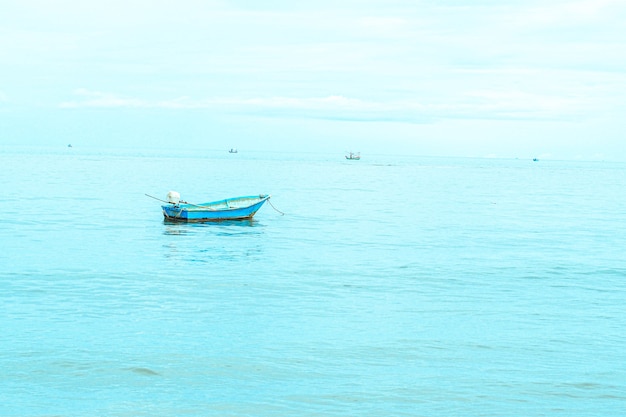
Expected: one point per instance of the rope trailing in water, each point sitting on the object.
(270, 203)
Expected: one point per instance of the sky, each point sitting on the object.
(500, 78)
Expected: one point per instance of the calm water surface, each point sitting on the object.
(391, 286)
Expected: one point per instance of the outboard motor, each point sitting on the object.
(173, 197)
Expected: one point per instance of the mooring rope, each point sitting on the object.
(270, 203)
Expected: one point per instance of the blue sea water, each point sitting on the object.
(391, 286)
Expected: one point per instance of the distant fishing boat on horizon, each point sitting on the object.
(354, 156)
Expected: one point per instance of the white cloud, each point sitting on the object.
(475, 104)
(520, 104)
(101, 99)
(571, 12)
(89, 98)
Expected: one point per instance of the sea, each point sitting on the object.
(396, 285)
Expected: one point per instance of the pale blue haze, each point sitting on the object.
(481, 78)
(395, 285)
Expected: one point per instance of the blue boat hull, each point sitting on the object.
(237, 208)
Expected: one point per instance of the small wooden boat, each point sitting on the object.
(236, 208)
(355, 156)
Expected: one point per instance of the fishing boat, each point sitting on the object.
(354, 155)
(236, 208)
(232, 150)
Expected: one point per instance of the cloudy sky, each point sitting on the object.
(509, 78)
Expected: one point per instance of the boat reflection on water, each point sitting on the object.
(175, 227)
(224, 241)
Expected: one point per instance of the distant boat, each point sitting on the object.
(69, 145)
(354, 155)
(535, 159)
(232, 150)
(236, 208)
